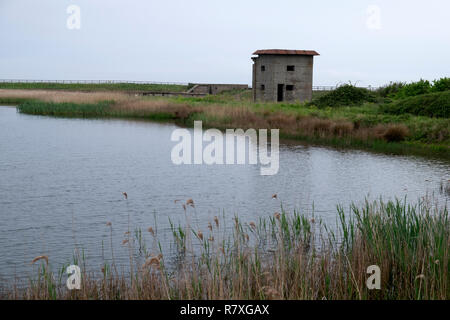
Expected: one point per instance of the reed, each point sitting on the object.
(283, 256)
(363, 127)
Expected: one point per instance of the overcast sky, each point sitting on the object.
(366, 42)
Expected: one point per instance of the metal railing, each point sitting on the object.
(330, 88)
(90, 82)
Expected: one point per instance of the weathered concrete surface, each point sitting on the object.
(197, 90)
(272, 80)
(208, 88)
(166, 94)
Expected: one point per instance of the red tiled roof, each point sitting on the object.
(287, 52)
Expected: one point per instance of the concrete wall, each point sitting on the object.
(165, 94)
(216, 88)
(276, 73)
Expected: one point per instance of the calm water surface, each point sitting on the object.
(61, 181)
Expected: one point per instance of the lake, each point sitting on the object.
(61, 182)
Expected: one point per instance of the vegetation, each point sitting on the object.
(284, 256)
(309, 124)
(390, 90)
(396, 133)
(66, 109)
(401, 90)
(345, 95)
(440, 85)
(94, 86)
(109, 109)
(414, 89)
(414, 125)
(431, 105)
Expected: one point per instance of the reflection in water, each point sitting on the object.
(61, 181)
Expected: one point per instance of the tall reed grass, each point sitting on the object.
(283, 256)
(360, 127)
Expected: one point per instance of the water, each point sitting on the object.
(61, 181)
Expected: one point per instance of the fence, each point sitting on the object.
(90, 81)
(330, 88)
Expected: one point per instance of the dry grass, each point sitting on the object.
(140, 108)
(292, 124)
(396, 133)
(64, 96)
(287, 256)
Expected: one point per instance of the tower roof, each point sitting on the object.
(287, 52)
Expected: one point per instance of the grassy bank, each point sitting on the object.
(370, 125)
(92, 87)
(284, 256)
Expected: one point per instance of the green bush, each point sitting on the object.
(401, 90)
(431, 105)
(345, 95)
(442, 84)
(390, 90)
(414, 89)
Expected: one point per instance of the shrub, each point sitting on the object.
(396, 133)
(345, 95)
(431, 105)
(343, 128)
(414, 89)
(321, 125)
(390, 90)
(442, 84)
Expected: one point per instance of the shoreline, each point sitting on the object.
(343, 128)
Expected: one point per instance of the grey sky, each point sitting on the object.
(212, 41)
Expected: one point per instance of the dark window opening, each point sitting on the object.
(280, 93)
(263, 87)
(290, 68)
(289, 87)
(263, 68)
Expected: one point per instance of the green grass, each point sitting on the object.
(13, 101)
(431, 105)
(427, 136)
(102, 109)
(95, 86)
(286, 255)
(401, 90)
(67, 109)
(422, 134)
(425, 133)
